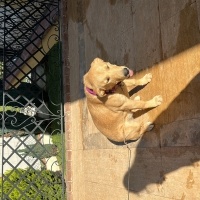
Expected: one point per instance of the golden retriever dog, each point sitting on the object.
(107, 89)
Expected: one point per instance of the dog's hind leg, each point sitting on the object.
(134, 130)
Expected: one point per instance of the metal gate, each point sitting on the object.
(31, 137)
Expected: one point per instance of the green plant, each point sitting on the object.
(31, 184)
(39, 151)
(58, 140)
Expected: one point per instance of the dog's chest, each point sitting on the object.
(122, 89)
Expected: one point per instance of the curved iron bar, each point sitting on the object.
(24, 25)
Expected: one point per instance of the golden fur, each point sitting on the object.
(107, 89)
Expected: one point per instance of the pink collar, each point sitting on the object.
(91, 91)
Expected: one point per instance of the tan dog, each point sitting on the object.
(106, 89)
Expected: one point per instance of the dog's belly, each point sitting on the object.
(108, 122)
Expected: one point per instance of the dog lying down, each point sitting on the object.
(107, 89)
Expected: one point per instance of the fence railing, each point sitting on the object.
(31, 112)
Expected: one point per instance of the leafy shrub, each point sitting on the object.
(31, 184)
(58, 140)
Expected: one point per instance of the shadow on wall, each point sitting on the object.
(78, 10)
(179, 139)
(179, 143)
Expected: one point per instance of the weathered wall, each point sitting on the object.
(157, 36)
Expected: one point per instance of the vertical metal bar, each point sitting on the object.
(61, 104)
(3, 125)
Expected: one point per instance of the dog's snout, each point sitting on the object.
(126, 72)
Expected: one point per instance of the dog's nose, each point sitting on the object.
(126, 72)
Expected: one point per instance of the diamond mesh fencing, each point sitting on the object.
(31, 108)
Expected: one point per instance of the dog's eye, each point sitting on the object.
(107, 80)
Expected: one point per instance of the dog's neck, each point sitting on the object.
(111, 91)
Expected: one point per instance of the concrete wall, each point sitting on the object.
(157, 36)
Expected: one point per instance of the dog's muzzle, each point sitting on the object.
(127, 72)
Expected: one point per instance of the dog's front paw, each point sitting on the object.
(147, 78)
(158, 100)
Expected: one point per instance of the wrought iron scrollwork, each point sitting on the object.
(31, 95)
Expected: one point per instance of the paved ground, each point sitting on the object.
(157, 36)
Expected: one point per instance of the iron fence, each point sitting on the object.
(31, 112)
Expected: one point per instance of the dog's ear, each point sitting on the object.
(86, 81)
(96, 60)
(101, 92)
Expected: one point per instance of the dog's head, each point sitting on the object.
(103, 76)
